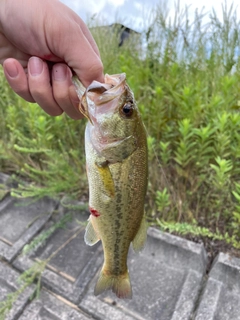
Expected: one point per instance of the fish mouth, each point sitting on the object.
(87, 103)
(98, 94)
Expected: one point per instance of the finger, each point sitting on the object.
(77, 50)
(40, 86)
(90, 67)
(61, 81)
(88, 35)
(17, 78)
(83, 60)
(87, 65)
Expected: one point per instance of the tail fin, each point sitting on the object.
(120, 285)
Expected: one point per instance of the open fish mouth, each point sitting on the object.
(98, 93)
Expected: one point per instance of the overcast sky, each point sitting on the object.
(135, 13)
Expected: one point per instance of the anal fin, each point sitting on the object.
(91, 237)
(141, 236)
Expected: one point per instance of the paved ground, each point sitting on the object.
(169, 277)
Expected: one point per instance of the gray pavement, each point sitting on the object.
(169, 277)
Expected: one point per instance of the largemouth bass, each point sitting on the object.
(116, 161)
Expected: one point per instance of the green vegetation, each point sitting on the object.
(186, 80)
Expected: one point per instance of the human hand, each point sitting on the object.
(40, 43)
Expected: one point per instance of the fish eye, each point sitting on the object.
(127, 109)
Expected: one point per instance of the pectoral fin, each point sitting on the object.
(141, 236)
(91, 237)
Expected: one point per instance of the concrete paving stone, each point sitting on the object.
(20, 221)
(106, 309)
(73, 263)
(221, 296)
(51, 307)
(9, 284)
(4, 188)
(4, 178)
(7, 181)
(166, 280)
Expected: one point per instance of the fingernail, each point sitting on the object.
(11, 70)
(35, 66)
(60, 72)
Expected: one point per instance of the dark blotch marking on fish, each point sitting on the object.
(94, 212)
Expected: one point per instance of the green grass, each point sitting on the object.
(186, 81)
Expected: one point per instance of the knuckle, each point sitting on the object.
(61, 95)
(96, 68)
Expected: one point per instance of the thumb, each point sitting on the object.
(83, 58)
(71, 40)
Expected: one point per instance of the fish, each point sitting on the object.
(117, 171)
